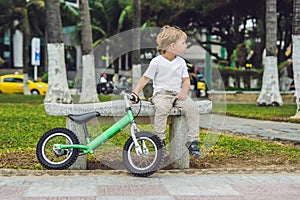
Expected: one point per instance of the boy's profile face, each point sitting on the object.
(179, 47)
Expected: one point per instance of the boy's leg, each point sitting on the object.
(190, 110)
(163, 104)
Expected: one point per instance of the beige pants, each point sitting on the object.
(163, 102)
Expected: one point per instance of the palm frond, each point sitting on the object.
(99, 29)
(125, 12)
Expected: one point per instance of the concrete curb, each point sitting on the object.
(261, 170)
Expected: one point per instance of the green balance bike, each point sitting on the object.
(143, 152)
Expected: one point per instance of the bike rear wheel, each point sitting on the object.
(153, 154)
(57, 159)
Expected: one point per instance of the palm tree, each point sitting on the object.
(269, 94)
(88, 92)
(296, 53)
(58, 91)
(137, 34)
(136, 45)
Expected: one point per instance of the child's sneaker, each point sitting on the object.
(193, 148)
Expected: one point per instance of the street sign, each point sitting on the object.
(35, 51)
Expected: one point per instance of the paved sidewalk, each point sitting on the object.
(159, 186)
(251, 127)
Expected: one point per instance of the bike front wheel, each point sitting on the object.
(151, 158)
(57, 159)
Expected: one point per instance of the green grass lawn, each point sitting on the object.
(282, 113)
(20, 98)
(23, 121)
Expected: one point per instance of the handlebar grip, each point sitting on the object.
(132, 98)
(135, 98)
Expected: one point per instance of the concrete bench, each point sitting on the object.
(111, 111)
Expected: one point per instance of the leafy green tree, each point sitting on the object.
(109, 17)
(225, 20)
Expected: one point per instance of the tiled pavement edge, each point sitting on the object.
(160, 186)
(183, 172)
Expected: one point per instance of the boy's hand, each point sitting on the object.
(181, 96)
(134, 98)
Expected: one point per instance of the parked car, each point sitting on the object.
(13, 83)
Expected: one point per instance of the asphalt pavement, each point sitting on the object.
(248, 183)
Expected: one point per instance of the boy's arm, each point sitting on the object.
(185, 89)
(141, 84)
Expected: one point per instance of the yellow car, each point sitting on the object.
(13, 83)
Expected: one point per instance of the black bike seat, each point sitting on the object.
(83, 118)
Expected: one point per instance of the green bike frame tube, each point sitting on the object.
(111, 131)
(70, 146)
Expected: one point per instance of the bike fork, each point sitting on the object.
(133, 130)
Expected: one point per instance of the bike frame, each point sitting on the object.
(107, 134)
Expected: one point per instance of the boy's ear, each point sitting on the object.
(172, 45)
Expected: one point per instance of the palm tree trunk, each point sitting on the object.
(25, 60)
(136, 45)
(58, 91)
(270, 94)
(296, 53)
(88, 92)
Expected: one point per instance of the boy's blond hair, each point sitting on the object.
(168, 35)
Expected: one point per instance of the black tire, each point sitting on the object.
(35, 92)
(146, 164)
(61, 159)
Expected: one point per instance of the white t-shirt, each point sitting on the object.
(167, 75)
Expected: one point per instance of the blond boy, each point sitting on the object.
(171, 84)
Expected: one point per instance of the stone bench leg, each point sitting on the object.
(81, 162)
(178, 152)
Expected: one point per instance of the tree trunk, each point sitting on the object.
(296, 53)
(25, 61)
(136, 45)
(269, 94)
(58, 91)
(89, 91)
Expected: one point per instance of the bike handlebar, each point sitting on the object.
(129, 97)
(126, 97)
